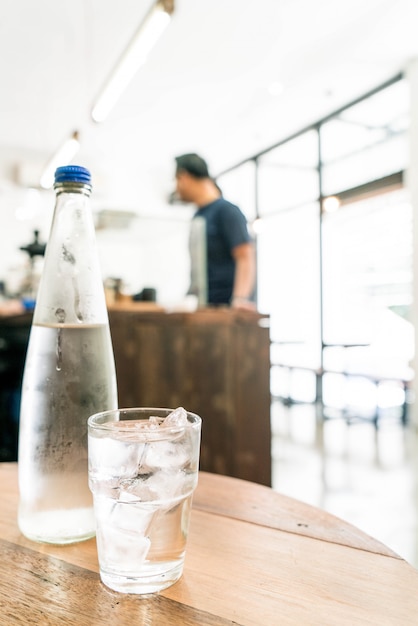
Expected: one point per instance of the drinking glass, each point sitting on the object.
(143, 470)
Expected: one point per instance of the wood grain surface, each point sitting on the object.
(254, 557)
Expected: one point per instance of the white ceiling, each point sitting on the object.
(205, 87)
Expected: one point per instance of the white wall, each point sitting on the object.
(152, 251)
(21, 212)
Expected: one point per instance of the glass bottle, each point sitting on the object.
(69, 373)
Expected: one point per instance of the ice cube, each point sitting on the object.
(134, 430)
(133, 517)
(137, 490)
(107, 487)
(168, 485)
(177, 418)
(122, 550)
(153, 488)
(154, 421)
(166, 455)
(103, 507)
(113, 457)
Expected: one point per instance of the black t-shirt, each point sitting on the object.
(226, 228)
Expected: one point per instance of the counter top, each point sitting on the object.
(201, 315)
(14, 311)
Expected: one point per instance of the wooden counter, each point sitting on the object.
(14, 335)
(214, 362)
(254, 558)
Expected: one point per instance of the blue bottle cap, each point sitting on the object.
(72, 173)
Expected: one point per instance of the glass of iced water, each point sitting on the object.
(143, 469)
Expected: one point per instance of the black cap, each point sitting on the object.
(193, 164)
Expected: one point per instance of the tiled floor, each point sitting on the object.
(365, 478)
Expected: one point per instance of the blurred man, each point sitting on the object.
(230, 256)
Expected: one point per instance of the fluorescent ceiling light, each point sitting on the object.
(133, 58)
(63, 156)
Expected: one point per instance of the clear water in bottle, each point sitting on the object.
(68, 377)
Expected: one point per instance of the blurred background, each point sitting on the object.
(224, 79)
(307, 113)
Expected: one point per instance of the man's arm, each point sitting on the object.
(244, 279)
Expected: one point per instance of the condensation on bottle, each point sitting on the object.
(69, 373)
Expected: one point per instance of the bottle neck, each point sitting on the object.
(72, 187)
(71, 279)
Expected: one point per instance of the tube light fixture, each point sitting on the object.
(63, 156)
(134, 56)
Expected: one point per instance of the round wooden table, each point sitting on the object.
(254, 557)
